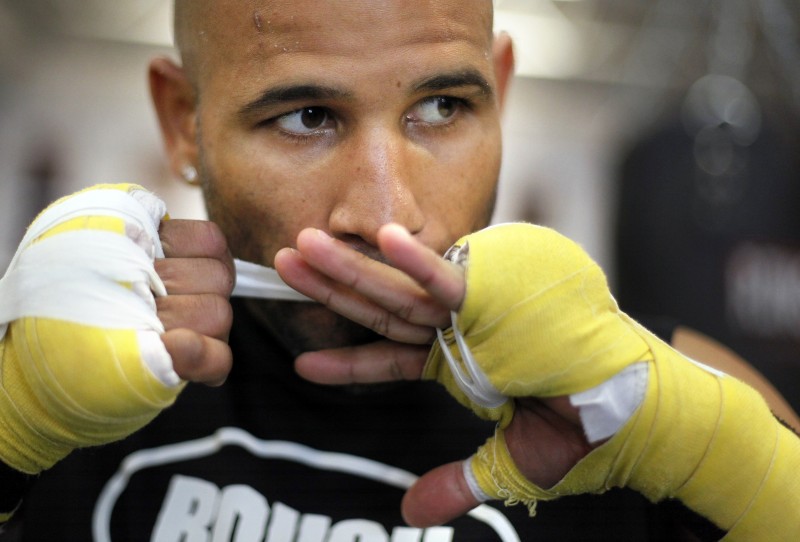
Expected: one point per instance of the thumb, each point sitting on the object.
(438, 497)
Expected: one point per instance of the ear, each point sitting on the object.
(176, 106)
(503, 56)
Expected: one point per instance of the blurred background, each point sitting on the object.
(662, 135)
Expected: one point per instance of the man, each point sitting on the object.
(358, 133)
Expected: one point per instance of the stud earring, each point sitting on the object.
(189, 174)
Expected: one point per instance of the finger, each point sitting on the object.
(440, 278)
(386, 286)
(296, 272)
(198, 358)
(439, 496)
(381, 361)
(183, 276)
(195, 239)
(207, 314)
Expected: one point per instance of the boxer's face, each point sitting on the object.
(343, 115)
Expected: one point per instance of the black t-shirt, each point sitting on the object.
(270, 457)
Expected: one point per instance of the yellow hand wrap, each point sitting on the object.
(539, 321)
(81, 360)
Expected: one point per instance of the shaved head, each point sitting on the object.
(188, 30)
(195, 22)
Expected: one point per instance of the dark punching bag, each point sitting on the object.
(708, 228)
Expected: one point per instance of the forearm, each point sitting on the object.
(704, 349)
(711, 441)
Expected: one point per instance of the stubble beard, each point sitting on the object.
(300, 327)
(297, 327)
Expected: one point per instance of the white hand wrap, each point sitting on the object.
(81, 359)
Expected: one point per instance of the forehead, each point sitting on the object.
(275, 38)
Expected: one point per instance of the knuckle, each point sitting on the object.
(381, 323)
(220, 313)
(407, 310)
(226, 278)
(214, 240)
(165, 237)
(217, 278)
(196, 237)
(208, 314)
(164, 270)
(198, 276)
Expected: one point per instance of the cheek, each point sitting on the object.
(486, 167)
(460, 191)
(260, 201)
(237, 198)
(471, 193)
(237, 212)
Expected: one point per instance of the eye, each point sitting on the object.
(305, 121)
(435, 110)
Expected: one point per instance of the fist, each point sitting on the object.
(92, 349)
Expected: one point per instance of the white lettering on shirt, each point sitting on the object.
(196, 510)
(193, 509)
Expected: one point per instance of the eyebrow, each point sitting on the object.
(305, 92)
(292, 93)
(463, 78)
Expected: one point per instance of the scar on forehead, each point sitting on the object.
(257, 21)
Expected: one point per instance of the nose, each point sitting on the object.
(380, 183)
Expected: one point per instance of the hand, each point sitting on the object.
(406, 303)
(540, 321)
(93, 251)
(199, 275)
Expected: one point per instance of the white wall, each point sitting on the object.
(85, 105)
